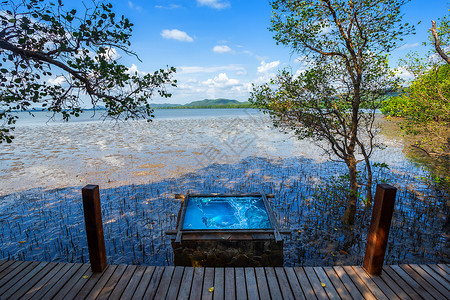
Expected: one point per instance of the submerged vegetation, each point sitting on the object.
(46, 222)
(48, 225)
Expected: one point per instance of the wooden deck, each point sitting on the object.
(42, 280)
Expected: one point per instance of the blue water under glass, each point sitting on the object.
(226, 213)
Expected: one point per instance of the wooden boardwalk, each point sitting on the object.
(42, 280)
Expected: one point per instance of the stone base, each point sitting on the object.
(228, 253)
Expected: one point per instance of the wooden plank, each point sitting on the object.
(241, 289)
(7, 264)
(444, 291)
(385, 279)
(109, 277)
(348, 283)
(143, 283)
(261, 282)
(284, 283)
(150, 292)
(329, 288)
(445, 268)
(304, 283)
(272, 283)
(4, 264)
(43, 281)
(123, 282)
(394, 277)
(30, 282)
(11, 271)
(197, 284)
(72, 282)
(337, 283)
(133, 283)
(110, 285)
(52, 281)
(219, 284)
(411, 282)
(390, 289)
(230, 287)
(186, 283)
(436, 276)
(315, 283)
(423, 281)
(370, 284)
(95, 283)
(164, 284)
(441, 272)
(208, 282)
(294, 284)
(252, 287)
(17, 280)
(88, 277)
(57, 282)
(367, 294)
(175, 283)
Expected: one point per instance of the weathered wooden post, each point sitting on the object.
(380, 224)
(94, 227)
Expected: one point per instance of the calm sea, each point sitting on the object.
(45, 117)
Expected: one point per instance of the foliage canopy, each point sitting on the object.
(424, 106)
(52, 57)
(343, 43)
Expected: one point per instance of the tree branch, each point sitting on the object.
(437, 43)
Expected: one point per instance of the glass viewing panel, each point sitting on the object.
(226, 213)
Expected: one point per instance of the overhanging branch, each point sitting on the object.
(437, 43)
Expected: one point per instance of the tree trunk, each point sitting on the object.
(369, 196)
(350, 210)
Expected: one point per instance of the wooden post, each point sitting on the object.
(94, 227)
(380, 224)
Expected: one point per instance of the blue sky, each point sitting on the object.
(221, 47)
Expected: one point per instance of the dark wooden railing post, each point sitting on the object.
(380, 224)
(94, 227)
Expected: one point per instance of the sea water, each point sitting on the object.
(226, 213)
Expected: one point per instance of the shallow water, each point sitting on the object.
(140, 166)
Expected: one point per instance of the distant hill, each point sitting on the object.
(207, 103)
(156, 105)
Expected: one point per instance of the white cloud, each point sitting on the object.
(133, 6)
(171, 6)
(408, 46)
(221, 81)
(222, 49)
(134, 70)
(176, 34)
(403, 73)
(217, 4)
(266, 67)
(111, 54)
(214, 69)
(57, 81)
(304, 63)
(301, 59)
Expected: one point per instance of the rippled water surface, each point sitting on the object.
(140, 166)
